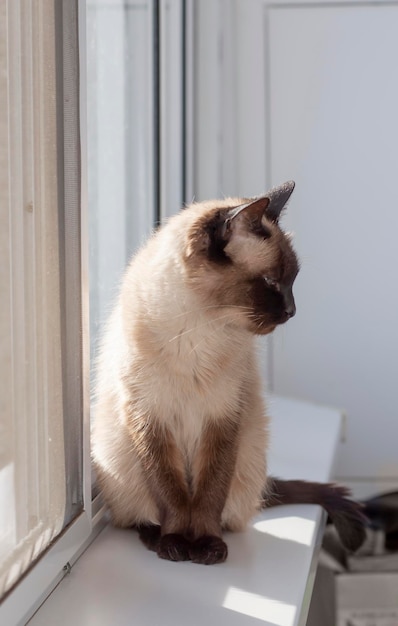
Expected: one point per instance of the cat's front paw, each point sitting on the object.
(208, 550)
(149, 535)
(173, 547)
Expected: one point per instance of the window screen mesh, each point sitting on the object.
(37, 490)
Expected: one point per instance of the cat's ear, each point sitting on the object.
(270, 205)
(278, 197)
(251, 212)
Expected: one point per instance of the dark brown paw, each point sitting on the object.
(173, 547)
(208, 550)
(150, 536)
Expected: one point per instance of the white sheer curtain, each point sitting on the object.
(32, 466)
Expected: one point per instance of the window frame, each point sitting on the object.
(28, 594)
(175, 141)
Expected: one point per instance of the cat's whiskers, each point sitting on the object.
(213, 306)
(190, 330)
(215, 332)
(206, 337)
(202, 340)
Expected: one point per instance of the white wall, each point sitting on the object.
(310, 92)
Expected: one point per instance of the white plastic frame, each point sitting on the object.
(21, 603)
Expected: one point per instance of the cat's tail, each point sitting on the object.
(345, 514)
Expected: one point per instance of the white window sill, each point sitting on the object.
(267, 578)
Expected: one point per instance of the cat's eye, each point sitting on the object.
(272, 283)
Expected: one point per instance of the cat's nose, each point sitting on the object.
(288, 299)
(291, 310)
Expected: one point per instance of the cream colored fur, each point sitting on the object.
(185, 361)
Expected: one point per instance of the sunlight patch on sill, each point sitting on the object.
(259, 607)
(292, 528)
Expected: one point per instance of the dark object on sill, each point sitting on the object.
(339, 574)
(379, 551)
(382, 512)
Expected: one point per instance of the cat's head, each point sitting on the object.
(237, 256)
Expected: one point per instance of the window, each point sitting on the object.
(136, 133)
(136, 174)
(42, 450)
(32, 442)
(122, 141)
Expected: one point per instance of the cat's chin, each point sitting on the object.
(267, 330)
(261, 326)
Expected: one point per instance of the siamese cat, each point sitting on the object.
(180, 430)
